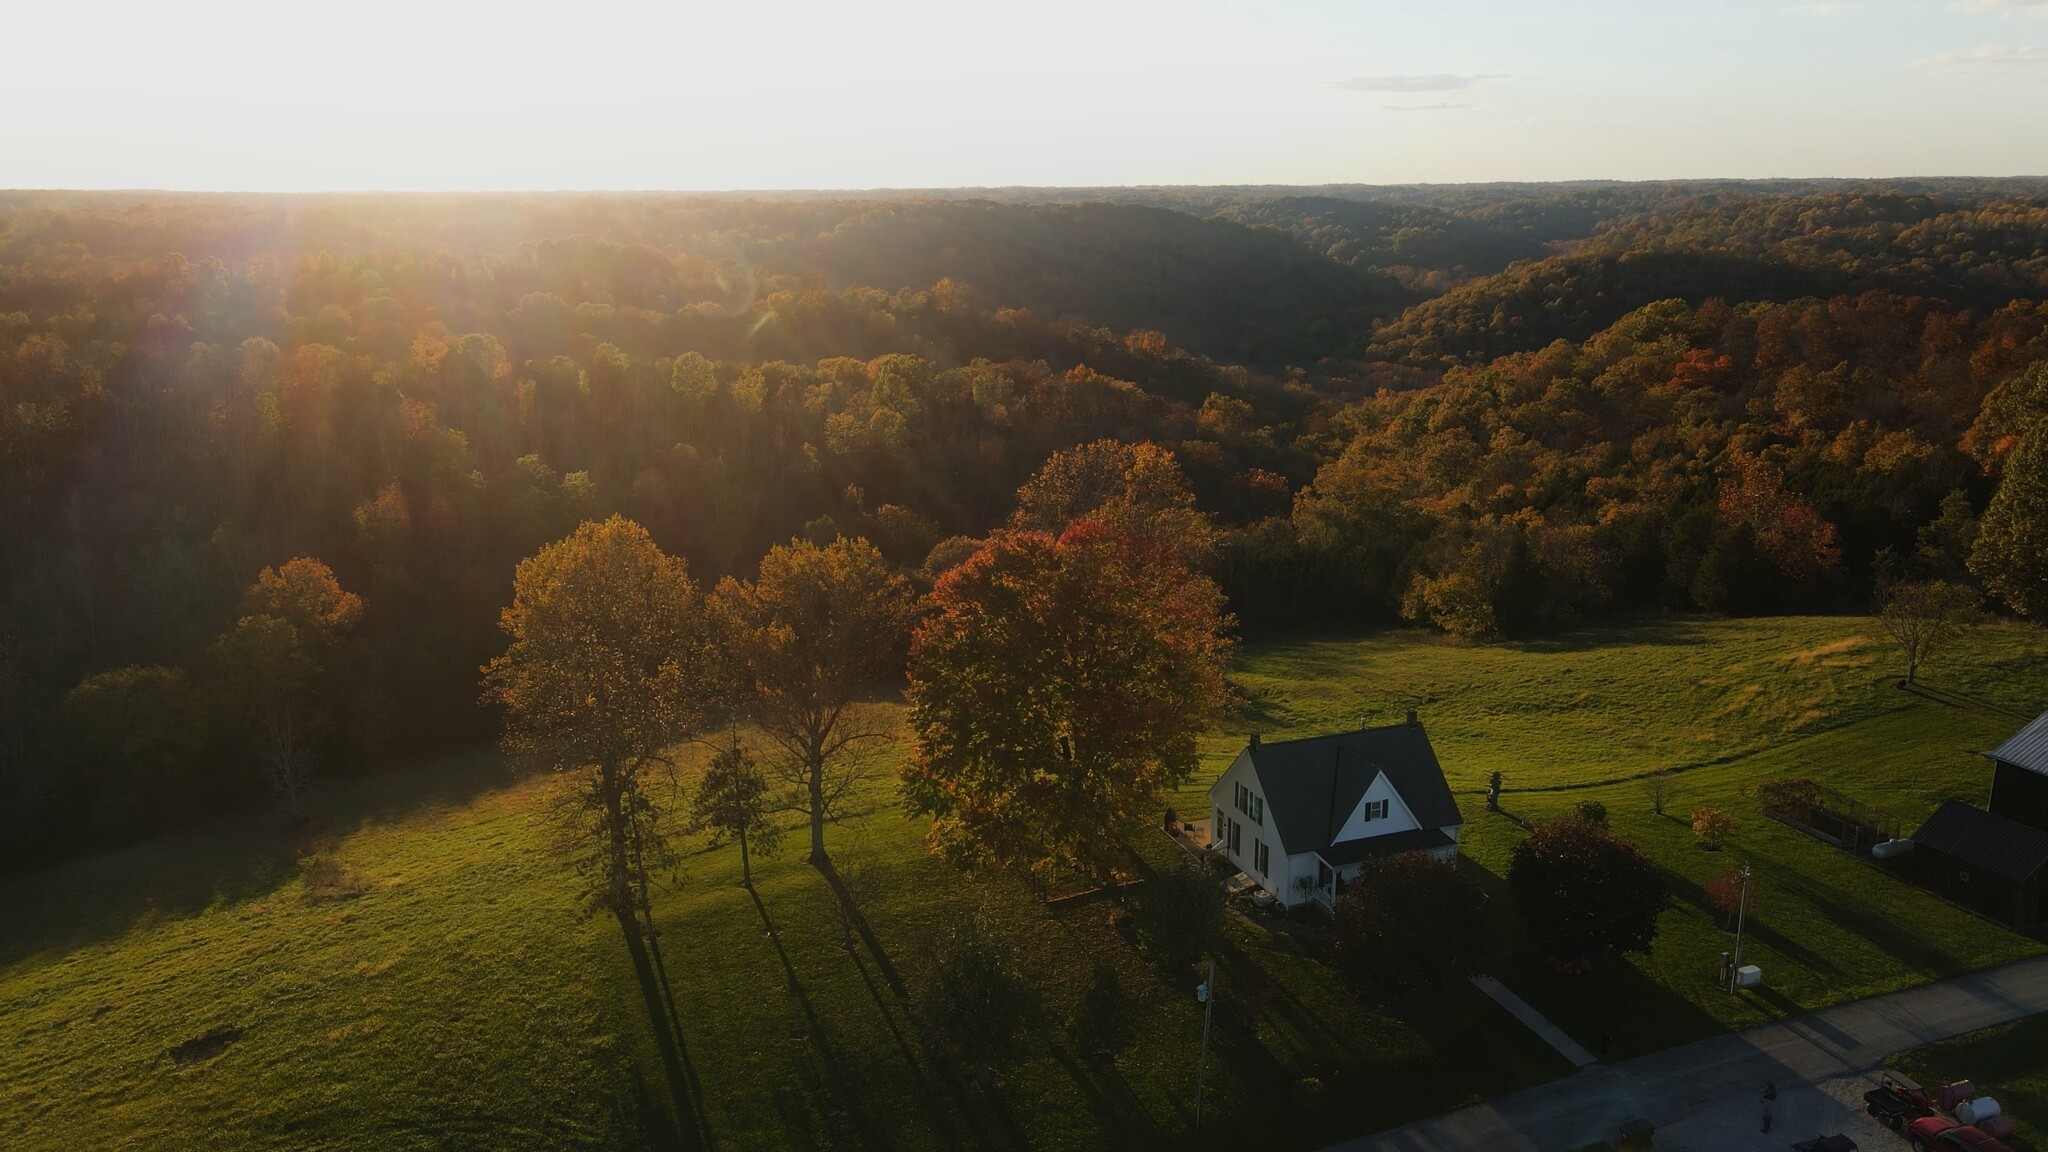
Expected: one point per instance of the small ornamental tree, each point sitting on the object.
(1659, 787)
(1584, 892)
(1922, 617)
(733, 803)
(1059, 687)
(1724, 894)
(1409, 923)
(1712, 826)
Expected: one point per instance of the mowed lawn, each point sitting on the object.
(461, 1001)
(1724, 705)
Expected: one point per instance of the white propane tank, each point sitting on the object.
(1891, 848)
(1977, 1111)
(1749, 976)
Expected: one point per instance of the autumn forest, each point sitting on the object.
(257, 447)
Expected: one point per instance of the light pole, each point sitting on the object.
(1741, 916)
(1206, 993)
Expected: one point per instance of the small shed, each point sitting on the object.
(1986, 862)
(2019, 776)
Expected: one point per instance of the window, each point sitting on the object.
(1376, 810)
(1235, 829)
(1242, 791)
(1258, 810)
(1260, 858)
(1216, 830)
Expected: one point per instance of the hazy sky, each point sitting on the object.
(603, 94)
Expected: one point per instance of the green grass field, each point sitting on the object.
(459, 1001)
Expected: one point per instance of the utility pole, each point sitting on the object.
(1741, 915)
(1207, 995)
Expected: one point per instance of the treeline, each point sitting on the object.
(411, 395)
(1980, 253)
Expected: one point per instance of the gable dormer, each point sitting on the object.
(1379, 812)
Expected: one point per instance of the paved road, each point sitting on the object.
(1704, 1096)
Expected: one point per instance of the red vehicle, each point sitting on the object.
(1941, 1134)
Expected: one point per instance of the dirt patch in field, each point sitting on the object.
(200, 1049)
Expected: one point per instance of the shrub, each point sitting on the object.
(1592, 812)
(329, 879)
(1409, 923)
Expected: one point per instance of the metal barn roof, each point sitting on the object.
(2028, 748)
(1985, 840)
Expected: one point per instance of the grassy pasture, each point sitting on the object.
(458, 999)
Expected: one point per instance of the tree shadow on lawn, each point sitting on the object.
(841, 1094)
(1616, 1001)
(235, 858)
(1125, 1123)
(1905, 942)
(967, 1108)
(1755, 927)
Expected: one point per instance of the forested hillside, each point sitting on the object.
(1492, 410)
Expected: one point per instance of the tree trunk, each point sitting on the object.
(817, 784)
(746, 869)
(615, 831)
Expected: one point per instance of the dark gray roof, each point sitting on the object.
(1413, 840)
(2028, 747)
(1312, 785)
(1984, 840)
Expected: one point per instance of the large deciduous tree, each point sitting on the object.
(802, 642)
(598, 683)
(282, 668)
(1583, 892)
(1135, 488)
(134, 737)
(1057, 690)
(2011, 553)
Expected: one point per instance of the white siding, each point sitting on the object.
(1397, 819)
(1223, 798)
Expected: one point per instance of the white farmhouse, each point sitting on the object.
(1298, 816)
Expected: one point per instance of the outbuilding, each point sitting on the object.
(1986, 862)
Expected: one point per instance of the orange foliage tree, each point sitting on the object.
(1057, 690)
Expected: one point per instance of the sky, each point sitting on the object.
(239, 95)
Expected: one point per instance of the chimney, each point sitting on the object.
(1412, 721)
(1255, 739)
